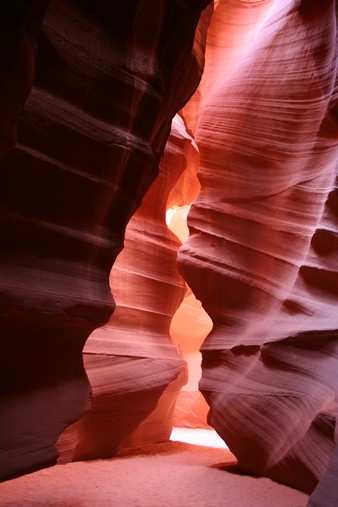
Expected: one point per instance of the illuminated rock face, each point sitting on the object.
(134, 368)
(262, 255)
(109, 78)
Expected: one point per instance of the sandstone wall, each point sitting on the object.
(109, 78)
(262, 252)
(134, 369)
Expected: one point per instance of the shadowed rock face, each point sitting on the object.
(134, 368)
(19, 26)
(109, 78)
(262, 255)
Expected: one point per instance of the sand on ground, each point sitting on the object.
(170, 474)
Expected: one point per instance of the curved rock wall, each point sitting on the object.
(134, 368)
(262, 254)
(190, 323)
(109, 78)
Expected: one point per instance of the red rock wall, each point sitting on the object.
(89, 141)
(262, 254)
(19, 26)
(189, 328)
(131, 361)
(263, 246)
(190, 323)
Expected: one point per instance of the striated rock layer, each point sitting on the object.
(262, 254)
(189, 328)
(134, 368)
(19, 27)
(109, 78)
(190, 324)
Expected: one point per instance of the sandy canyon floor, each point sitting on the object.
(170, 474)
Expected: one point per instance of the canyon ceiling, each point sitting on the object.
(111, 114)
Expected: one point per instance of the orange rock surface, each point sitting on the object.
(134, 368)
(262, 252)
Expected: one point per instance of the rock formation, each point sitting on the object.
(134, 369)
(262, 254)
(109, 79)
(189, 328)
(20, 23)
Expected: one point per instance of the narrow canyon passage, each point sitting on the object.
(156, 330)
(189, 327)
(157, 158)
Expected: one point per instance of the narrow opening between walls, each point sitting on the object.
(189, 328)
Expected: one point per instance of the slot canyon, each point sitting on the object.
(169, 252)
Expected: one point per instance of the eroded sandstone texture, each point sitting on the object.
(262, 256)
(19, 23)
(134, 369)
(109, 78)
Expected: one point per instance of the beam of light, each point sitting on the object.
(197, 436)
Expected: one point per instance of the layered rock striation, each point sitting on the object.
(20, 23)
(109, 78)
(262, 252)
(134, 368)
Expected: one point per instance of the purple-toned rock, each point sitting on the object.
(109, 78)
(262, 254)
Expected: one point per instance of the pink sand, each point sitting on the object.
(172, 474)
